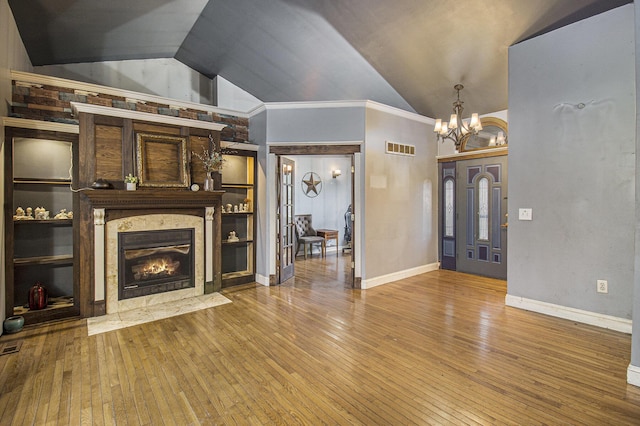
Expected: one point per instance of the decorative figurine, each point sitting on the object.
(41, 213)
(232, 237)
(29, 213)
(19, 214)
(229, 208)
(235, 208)
(63, 215)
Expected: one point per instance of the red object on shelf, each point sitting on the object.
(38, 297)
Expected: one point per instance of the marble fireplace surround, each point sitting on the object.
(115, 211)
(152, 222)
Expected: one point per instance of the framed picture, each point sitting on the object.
(162, 160)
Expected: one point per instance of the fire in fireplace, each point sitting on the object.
(151, 262)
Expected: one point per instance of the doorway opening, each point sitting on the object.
(315, 193)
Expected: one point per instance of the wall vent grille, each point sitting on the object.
(400, 149)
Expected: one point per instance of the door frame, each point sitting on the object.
(350, 150)
(471, 155)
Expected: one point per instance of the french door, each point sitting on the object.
(286, 231)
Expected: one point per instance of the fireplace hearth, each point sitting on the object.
(151, 262)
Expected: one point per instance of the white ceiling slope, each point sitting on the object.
(403, 53)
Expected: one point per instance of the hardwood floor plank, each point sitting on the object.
(437, 348)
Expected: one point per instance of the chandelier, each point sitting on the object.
(457, 128)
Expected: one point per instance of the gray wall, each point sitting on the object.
(12, 56)
(635, 336)
(575, 167)
(330, 122)
(164, 77)
(229, 96)
(400, 194)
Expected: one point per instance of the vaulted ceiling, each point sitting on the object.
(403, 53)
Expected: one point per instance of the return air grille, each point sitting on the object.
(400, 149)
(10, 347)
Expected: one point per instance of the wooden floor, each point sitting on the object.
(438, 348)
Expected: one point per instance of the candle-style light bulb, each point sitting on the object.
(438, 126)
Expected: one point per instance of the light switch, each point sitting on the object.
(525, 214)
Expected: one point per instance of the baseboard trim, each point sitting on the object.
(261, 279)
(633, 375)
(573, 314)
(384, 279)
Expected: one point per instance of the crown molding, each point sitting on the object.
(399, 112)
(36, 79)
(50, 126)
(314, 104)
(368, 104)
(79, 107)
(239, 145)
(257, 110)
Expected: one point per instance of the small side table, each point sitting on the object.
(328, 234)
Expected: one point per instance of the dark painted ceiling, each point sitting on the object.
(403, 53)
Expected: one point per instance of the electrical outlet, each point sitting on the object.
(602, 286)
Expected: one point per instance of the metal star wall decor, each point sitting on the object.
(311, 184)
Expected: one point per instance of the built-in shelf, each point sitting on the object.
(42, 181)
(54, 222)
(44, 260)
(24, 310)
(38, 164)
(237, 185)
(239, 274)
(239, 242)
(238, 178)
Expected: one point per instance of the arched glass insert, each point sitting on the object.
(483, 209)
(449, 211)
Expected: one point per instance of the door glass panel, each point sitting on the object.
(483, 209)
(449, 209)
(472, 172)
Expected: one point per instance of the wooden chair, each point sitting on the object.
(305, 234)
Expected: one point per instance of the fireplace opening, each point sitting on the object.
(151, 262)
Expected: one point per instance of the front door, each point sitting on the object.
(481, 194)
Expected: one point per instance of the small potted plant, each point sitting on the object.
(130, 182)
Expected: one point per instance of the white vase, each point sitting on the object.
(208, 182)
(131, 186)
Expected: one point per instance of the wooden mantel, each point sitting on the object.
(151, 199)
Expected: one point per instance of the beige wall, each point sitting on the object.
(12, 56)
